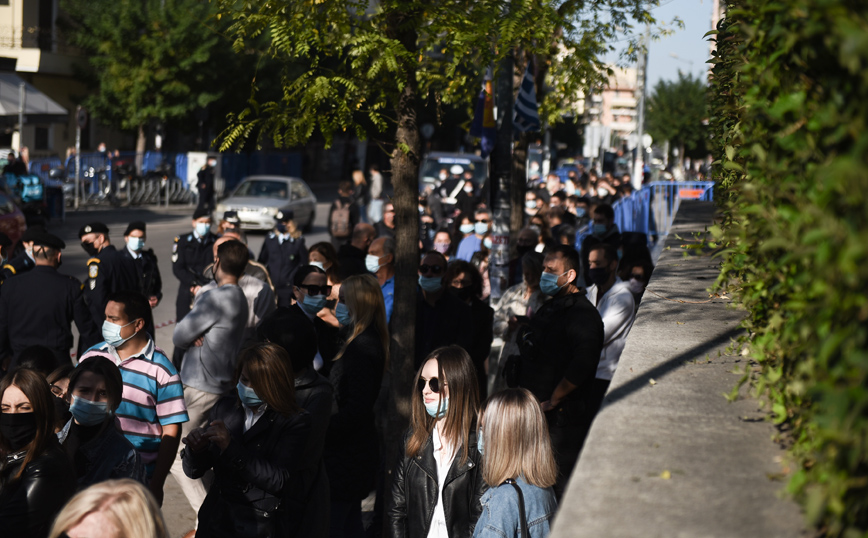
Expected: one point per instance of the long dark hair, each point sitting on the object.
(270, 372)
(37, 392)
(455, 367)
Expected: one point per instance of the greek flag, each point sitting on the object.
(526, 115)
(484, 126)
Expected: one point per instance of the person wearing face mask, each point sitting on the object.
(473, 242)
(145, 261)
(614, 301)
(107, 270)
(40, 306)
(559, 350)
(191, 254)
(437, 482)
(283, 252)
(311, 291)
(211, 335)
(254, 441)
(602, 230)
(442, 319)
(36, 478)
(636, 272)
(381, 262)
(465, 282)
(97, 449)
(352, 455)
(152, 406)
(443, 243)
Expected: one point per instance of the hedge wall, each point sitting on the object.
(789, 104)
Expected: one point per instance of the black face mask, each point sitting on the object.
(463, 293)
(89, 248)
(17, 429)
(61, 410)
(598, 276)
(523, 249)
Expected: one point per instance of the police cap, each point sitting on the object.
(45, 239)
(135, 225)
(284, 215)
(93, 228)
(231, 217)
(201, 212)
(31, 232)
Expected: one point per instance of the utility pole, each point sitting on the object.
(501, 179)
(641, 78)
(22, 102)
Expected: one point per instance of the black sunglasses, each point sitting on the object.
(313, 289)
(433, 268)
(484, 221)
(434, 383)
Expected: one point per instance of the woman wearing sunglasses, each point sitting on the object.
(311, 291)
(352, 453)
(440, 470)
(517, 456)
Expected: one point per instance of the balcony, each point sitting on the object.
(623, 102)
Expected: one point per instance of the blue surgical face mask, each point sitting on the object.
(480, 442)
(487, 243)
(111, 333)
(442, 403)
(466, 228)
(88, 413)
(372, 263)
(312, 303)
(202, 228)
(136, 244)
(431, 284)
(343, 314)
(548, 283)
(480, 228)
(530, 204)
(247, 395)
(600, 229)
(580, 212)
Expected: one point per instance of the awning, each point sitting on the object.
(38, 107)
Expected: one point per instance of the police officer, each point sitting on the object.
(23, 261)
(283, 252)
(146, 266)
(191, 254)
(107, 270)
(37, 308)
(205, 185)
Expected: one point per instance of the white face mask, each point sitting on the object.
(636, 286)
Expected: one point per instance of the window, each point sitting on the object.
(42, 138)
(299, 190)
(263, 189)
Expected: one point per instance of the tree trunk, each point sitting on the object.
(405, 180)
(141, 140)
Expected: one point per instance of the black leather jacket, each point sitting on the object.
(29, 504)
(415, 491)
(258, 488)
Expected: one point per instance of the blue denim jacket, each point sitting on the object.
(500, 516)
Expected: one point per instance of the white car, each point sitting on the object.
(258, 198)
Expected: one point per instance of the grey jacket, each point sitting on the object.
(220, 317)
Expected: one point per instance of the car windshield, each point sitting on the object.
(432, 166)
(260, 188)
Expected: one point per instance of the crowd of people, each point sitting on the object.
(269, 413)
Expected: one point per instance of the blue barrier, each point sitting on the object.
(652, 209)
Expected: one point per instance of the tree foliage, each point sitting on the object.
(149, 59)
(677, 111)
(789, 115)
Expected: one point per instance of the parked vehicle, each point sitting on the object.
(258, 198)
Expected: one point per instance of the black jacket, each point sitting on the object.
(259, 480)
(38, 308)
(415, 491)
(351, 261)
(148, 271)
(449, 322)
(18, 265)
(107, 273)
(282, 261)
(314, 394)
(190, 257)
(352, 452)
(108, 455)
(29, 504)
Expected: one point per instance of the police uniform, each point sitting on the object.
(37, 308)
(22, 262)
(191, 254)
(146, 266)
(283, 258)
(107, 272)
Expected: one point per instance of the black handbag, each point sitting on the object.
(525, 533)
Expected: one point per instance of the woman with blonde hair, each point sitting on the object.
(352, 454)
(519, 466)
(255, 445)
(441, 443)
(111, 509)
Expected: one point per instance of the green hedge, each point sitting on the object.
(789, 106)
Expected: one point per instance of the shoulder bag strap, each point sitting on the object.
(525, 533)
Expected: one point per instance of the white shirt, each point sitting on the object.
(136, 255)
(251, 417)
(443, 455)
(617, 308)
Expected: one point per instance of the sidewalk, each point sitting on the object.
(668, 456)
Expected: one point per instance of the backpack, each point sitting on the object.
(340, 222)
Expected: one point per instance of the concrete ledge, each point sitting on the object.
(673, 458)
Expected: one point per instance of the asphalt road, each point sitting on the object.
(163, 225)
